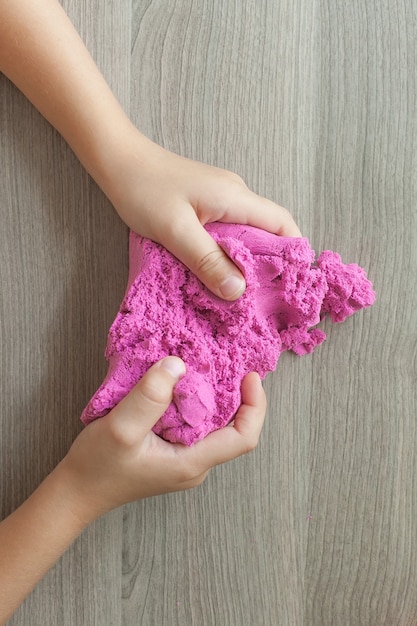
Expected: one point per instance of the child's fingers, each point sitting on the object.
(138, 412)
(205, 258)
(228, 443)
(263, 213)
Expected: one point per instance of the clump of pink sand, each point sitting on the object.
(168, 311)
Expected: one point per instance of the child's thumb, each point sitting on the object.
(207, 260)
(149, 398)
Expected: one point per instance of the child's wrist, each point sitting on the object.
(125, 173)
(118, 161)
(83, 509)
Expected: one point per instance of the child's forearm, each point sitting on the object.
(41, 53)
(34, 537)
(157, 193)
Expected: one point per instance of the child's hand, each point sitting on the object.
(118, 459)
(114, 460)
(158, 194)
(167, 198)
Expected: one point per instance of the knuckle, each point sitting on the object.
(198, 480)
(211, 263)
(172, 230)
(185, 474)
(251, 443)
(238, 179)
(189, 472)
(155, 390)
(287, 214)
(122, 435)
(233, 177)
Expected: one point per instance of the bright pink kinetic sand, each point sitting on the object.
(168, 311)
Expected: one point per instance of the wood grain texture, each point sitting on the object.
(64, 263)
(313, 103)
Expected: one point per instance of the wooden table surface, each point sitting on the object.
(313, 103)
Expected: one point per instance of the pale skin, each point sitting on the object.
(115, 460)
(167, 198)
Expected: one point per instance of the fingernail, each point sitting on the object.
(174, 366)
(232, 287)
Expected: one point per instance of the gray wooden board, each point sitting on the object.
(313, 103)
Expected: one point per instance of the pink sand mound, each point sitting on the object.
(167, 311)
